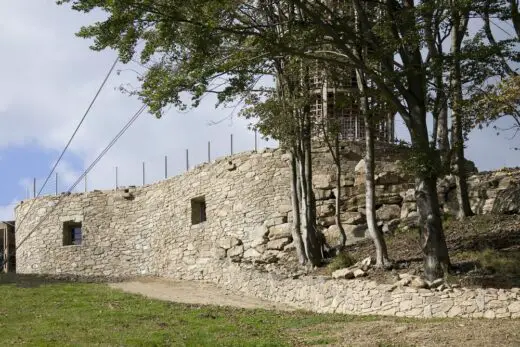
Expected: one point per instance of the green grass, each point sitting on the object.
(93, 314)
(340, 261)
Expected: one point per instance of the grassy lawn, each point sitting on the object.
(91, 314)
(36, 312)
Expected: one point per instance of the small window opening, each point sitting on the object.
(72, 234)
(198, 210)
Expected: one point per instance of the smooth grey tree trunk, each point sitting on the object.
(312, 242)
(337, 216)
(370, 207)
(457, 35)
(431, 234)
(432, 241)
(296, 202)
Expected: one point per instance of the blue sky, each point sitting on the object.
(49, 77)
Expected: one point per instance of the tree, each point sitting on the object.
(392, 29)
(222, 47)
(197, 41)
(459, 18)
(498, 101)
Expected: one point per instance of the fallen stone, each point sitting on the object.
(404, 282)
(359, 273)
(343, 273)
(418, 283)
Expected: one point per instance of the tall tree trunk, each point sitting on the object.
(312, 242)
(431, 234)
(443, 142)
(337, 216)
(296, 201)
(457, 35)
(376, 234)
(432, 240)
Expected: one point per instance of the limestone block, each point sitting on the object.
(514, 307)
(327, 221)
(408, 207)
(229, 242)
(388, 212)
(352, 218)
(359, 273)
(258, 242)
(323, 181)
(343, 273)
(236, 251)
(387, 178)
(323, 194)
(280, 231)
(278, 244)
(325, 209)
(252, 253)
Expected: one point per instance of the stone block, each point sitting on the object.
(229, 242)
(252, 253)
(352, 218)
(280, 231)
(343, 273)
(388, 212)
(278, 244)
(323, 181)
(236, 251)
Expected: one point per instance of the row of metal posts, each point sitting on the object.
(165, 166)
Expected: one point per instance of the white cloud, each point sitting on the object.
(51, 78)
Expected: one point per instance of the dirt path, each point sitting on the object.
(191, 292)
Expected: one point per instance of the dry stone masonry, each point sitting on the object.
(229, 222)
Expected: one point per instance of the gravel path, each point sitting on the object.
(191, 292)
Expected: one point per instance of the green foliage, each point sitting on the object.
(341, 261)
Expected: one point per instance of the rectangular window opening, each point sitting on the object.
(72, 234)
(198, 210)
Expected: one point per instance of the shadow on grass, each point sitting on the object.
(33, 281)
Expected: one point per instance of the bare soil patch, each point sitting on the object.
(484, 251)
(191, 292)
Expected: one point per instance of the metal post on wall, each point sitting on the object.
(165, 167)
(209, 152)
(144, 181)
(34, 187)
(231, 143)
(187, 160)
(117, 183)
(56, 183)
(256, 140)
(85, 183)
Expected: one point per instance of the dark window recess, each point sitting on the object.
(198, 210)
(72, 234)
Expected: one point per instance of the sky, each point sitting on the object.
(48, 78)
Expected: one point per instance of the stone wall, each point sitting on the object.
(149, 231)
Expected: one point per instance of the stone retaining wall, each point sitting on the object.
(358, 296)
(152, 230)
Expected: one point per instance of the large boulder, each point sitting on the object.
(507, 201)
(388, 212)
